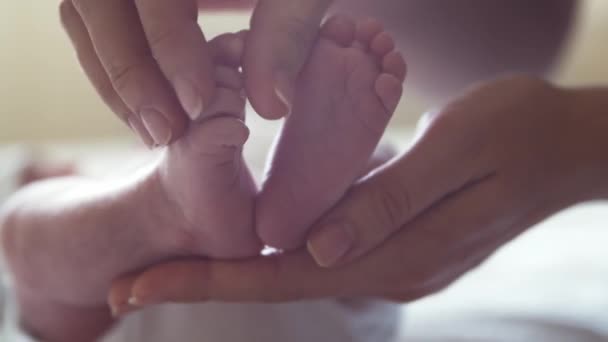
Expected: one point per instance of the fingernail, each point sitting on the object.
(157, 126)
(190, 98)
(122, 309)
(284, 92)
(138, 128)
(330, 244)
(134, 301)
(137, 301)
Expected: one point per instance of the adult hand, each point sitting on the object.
(487, 166)
(282, 35)
(150, 63)
(145, 58)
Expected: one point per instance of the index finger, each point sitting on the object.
(263, 279)
(121, 45)
(180, 49)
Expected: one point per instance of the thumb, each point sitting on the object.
(439, 164)
(282, 35)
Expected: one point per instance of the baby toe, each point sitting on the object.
(230, 78)
(223, 132)
(389, 89)
(366, 30)
(382, 44)
(227, 102)
(228, 49)
(340, 29)
(394, 64)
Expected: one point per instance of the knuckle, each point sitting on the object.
(391, 205)
(162, 36)
(110, 98)
(106, 91)
(125, 75)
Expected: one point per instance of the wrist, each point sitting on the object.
(589, 109)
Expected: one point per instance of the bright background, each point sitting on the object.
(44, 95)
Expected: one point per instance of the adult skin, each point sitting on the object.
(150, 63)
(486, 167)
(149, 60)
(281, 35)
(445, 53)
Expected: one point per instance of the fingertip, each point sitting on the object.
(330, 244)
(119, 297)
(178, 281)
(284, 91)
(271, 101)
(189, 97)
(138, 128)
(284, 101)
(178, 123)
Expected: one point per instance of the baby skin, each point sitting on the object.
(66, 239)
(345, 97)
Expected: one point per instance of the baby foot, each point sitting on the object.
(65, 240)
(345, 97)
(204, 175)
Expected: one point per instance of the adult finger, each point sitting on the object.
(122, 48)
(118, 298)
(411, 262)
(415, 259)
(439, 164)
(282, 35)
(180, 49)
(264, 279)
(79, 36)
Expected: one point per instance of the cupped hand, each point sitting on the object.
(486, 167)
